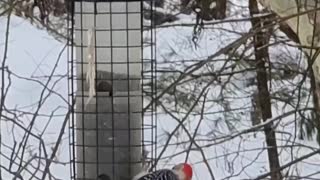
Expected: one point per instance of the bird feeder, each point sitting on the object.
(106, 82)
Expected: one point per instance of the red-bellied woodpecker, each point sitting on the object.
(181, 171)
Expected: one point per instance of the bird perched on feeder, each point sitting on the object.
(181, 171)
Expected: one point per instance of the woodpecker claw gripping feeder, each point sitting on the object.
(111, 88)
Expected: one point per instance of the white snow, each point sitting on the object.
(231, 151)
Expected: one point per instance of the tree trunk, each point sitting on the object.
(261, 40)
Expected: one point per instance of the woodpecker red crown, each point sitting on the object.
(187, 169)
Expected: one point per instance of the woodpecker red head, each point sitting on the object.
(183, 171)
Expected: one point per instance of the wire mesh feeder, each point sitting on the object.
(112, 79)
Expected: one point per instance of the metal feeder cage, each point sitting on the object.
(111, 85)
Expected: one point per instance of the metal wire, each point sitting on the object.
(91, 125)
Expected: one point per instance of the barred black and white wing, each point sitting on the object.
(160, 175)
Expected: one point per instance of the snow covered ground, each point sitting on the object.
(32, 53)
(245, 156)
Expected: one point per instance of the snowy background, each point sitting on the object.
(231, 152)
